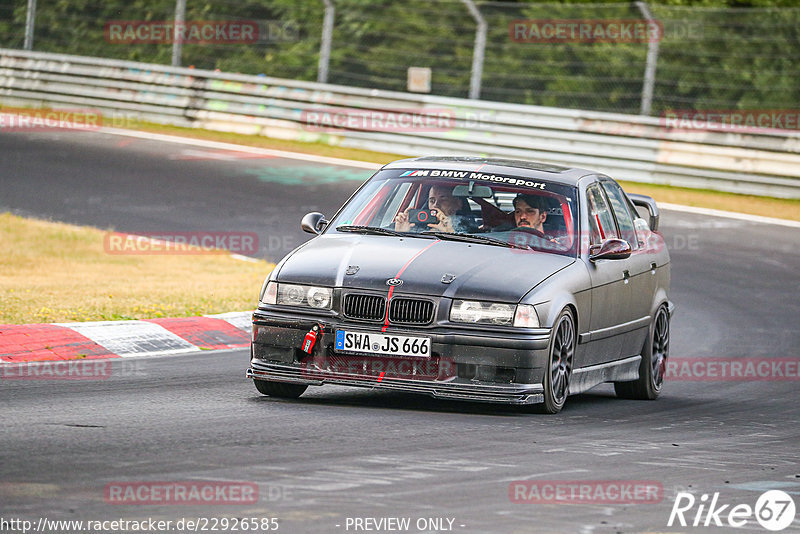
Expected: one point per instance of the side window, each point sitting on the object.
(601, 222)
(620, 206)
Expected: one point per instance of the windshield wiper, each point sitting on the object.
(472, 238)
(357, 229)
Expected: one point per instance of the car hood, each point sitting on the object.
(482, 272)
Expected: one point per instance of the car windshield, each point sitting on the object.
(491, 209)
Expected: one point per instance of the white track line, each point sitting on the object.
(240, 148)
(729, 215)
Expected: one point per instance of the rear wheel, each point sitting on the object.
(560, 362)
(280, 389)
(654, 362)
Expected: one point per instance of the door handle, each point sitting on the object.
(653, 267)
(626, 276)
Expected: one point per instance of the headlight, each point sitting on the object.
(291, 295)
(297, 295)
(319, 297)
(494, 313)
(470, 311)
(465, 311)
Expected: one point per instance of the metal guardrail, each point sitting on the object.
(624, 146)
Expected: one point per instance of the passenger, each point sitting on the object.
(447, 208)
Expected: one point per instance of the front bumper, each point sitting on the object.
(466, 364)
(455, 389)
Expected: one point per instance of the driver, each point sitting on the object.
(446, 206)
(530, 211)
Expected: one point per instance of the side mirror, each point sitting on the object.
(612, 249)
(313, 222)
(647, 202)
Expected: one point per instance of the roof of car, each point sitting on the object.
(514, 167)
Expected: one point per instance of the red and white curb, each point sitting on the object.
(120, 339)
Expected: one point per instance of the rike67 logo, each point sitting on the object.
(774, 510)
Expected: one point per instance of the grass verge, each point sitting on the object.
(53, 272)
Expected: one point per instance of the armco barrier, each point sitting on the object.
(627, 147)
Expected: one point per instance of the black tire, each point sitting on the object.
(560, 362)
(654, 362)
(280, 389)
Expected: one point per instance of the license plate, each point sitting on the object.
(373, 343)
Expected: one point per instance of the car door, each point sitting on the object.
(641, 268)
(611, 294)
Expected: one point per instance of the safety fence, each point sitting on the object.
(697, 150)
(636, 57)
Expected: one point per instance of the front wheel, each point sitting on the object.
(654, 362)
(560, 362)
(280, 389)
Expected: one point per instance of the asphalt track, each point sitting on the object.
(338, 453)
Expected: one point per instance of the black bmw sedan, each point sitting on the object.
(477, 279)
